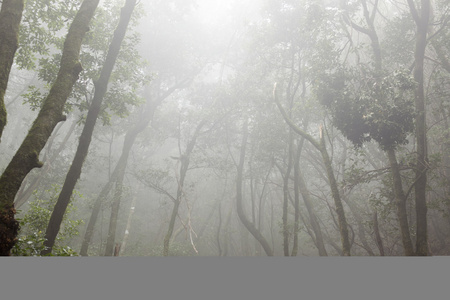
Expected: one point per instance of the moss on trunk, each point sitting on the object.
(27, 156)
(10, 17)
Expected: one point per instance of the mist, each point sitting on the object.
(225, 128)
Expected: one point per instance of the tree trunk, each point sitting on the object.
(10, 17)
(101, 86)
(422, 21)
(376, 230)
(96, 209)
(219, 227)
(312, 215)
(130, 138)
(286, 198)
(24, 194)
(320, 145)
(359, 222)
(296, 197)
(184, 160)
(240, 210)
(343, 227)
(114, 214)
(51, 113)
(128, 227)
(400, 202)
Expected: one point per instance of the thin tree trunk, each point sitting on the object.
(51, 113)
(240, 210)
(422, 22)
(296, 198)
(376, 230)
(130, 137)
(320, 145)
(359, 222)
(400, 201)
(110, 240)
(95, 211)
(128, 227)
(227, 234)
(219, 227)
(101, 86)
(286, 197)
(312, 215)
(184, 160)
(10, 17)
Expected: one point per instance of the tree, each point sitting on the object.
(239, 205)
(119, 170)
(85, 139)
(51, 113)
(421, 18)
(10, 16)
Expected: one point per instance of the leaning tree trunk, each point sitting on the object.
(240, 210)
(25, 193)
(312, 215)
(51, 113)
(10, 17)
(130, 137)
(118, 172)
(184, 160)
(321, 147)
(101, 86)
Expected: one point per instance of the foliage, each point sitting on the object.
(42, 39)
(35, 221)
(364, 107)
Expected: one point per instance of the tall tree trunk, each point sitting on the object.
(130, 137)
(312, 215)
(286, 197)
(51, 113)
(110, 240)
(128, 227)
(184, 161)
(10, 17)
(240, 209)
(422, 21)
(400, 202)
(343, 227)
(96, 209)
(25, 193)
(359, 222)
(376, 230)
(101, 86)
(321, 147)
(119, 169)
(398, 189)
(219, 227)
(296, 197)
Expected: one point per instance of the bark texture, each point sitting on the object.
(10, 17)
(101, 86)
(51, 113)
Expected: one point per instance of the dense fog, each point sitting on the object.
(225, 128)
